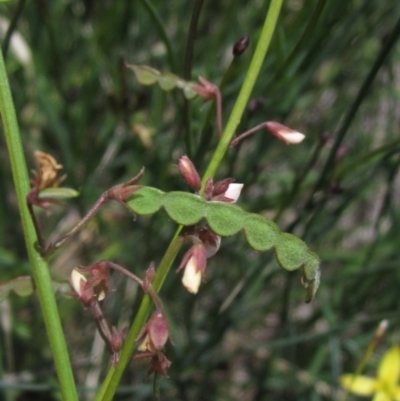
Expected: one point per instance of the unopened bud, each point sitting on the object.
(155, 333)
(189, 173)
(285, 134)
(158, 330)
(117, 339)
(241, 46)
(222, 186)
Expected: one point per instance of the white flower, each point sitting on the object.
(192, 276)
(233, 191)
(77, 281)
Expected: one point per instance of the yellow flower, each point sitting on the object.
(385, 387)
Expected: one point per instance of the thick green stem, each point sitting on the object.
(110, 383)
(40, 270)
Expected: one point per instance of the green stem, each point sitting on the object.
(114, 375)
(245, 92)
(40, 270)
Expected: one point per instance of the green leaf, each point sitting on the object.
(260, 233)
(184, 208)
(58, 193)
(189, 92)
(225, 219)
(167, 81)
(146, 200)
(145, 74)
(22, 286)
(291, 252)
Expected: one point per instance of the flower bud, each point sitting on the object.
(189, 173)
(155, 333)
(158, 330)
(241, 46)
(194, 262)
(117, 339)
(221, 187)
(285, 134)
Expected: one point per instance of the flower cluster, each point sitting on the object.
(205, 242)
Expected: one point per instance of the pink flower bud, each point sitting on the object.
(117, 339)
(194, 262)
(189, 173)
(221, 187)
(285, 134)
(158, 330)
(155, 333)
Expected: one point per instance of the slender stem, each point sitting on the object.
(40, 269)
(100, 202)
(122, 270)
(101, 323)
(244, 95)
(246, 134)
(156, 387)
(149, 289)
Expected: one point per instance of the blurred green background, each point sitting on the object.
(333, 73)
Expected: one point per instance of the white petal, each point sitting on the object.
(291, 137)
(233, 191)
(76, 279)
(191, 277)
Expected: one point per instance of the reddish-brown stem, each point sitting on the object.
(101, 323)
(122, 270)
(100, 202)
(119, 193)
(148, 288)
(246, 134)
